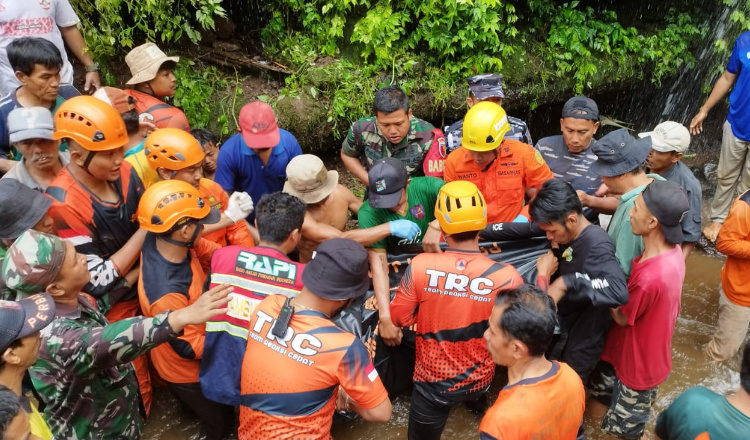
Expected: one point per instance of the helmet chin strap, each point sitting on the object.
(188, 244)
(87, 161)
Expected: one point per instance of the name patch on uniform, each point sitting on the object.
(265, 267)
(296, 346)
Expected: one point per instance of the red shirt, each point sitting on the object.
(452, 357)
(641, 352)
(545, 407)
(518, 166)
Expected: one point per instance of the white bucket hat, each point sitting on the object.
(144, 62)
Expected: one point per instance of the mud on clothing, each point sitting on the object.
(164, 285)
(236, 234)
(503, 183)
(422, 194)
(548, 406)
(451, 356)
(254, 273)
(289, 387)
(519, 131)
(422, 150)
(155, 110)
(641, 352)
(239, 168)
(594, 283)
(701, 414)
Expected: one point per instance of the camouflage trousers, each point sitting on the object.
(629, 409)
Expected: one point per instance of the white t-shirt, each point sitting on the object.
(33, 18)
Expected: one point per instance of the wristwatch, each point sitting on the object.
(93, 68)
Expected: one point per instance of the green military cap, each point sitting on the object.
(33, 262)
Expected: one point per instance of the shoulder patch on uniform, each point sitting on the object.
(417, 211)
(538, 157)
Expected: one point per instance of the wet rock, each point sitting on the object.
(709, 172)
(306, 117)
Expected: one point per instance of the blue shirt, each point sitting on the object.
(739, 100)
(239, 168)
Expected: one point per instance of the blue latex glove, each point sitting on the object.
(520, 219)
(404, 229)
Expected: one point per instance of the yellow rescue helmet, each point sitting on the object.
(460, 207)
(485, 125)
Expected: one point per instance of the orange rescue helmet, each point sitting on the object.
(485, 125)
(173, 149)
(91, 123)
(169, 203)
(460, 208)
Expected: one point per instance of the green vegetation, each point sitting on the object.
(342, 51)
(113, 27)
(542, 48)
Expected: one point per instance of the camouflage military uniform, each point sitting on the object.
(518, 131)
(365, 137)
(84, 376)
(83, 373)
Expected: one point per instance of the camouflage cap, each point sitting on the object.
(33, 262)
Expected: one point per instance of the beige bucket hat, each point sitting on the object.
(309, 180)
(144, 62)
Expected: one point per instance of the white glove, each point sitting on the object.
(240, 206)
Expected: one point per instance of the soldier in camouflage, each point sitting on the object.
(486, 87)
(84, 373)
(21, 208)
(394, 132)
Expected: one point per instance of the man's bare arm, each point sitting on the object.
(379, 267)
(355, 167)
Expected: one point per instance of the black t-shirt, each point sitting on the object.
(595, 283)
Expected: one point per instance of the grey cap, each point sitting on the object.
(618, 152)
(30, 123)
(486, 85)
(21, 208)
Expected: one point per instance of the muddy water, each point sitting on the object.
(690, 367)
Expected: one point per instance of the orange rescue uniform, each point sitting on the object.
(163, 286)
(518, 166)
(734, 241)
(450, 296)
(289, 387)
(236, 234)
(550, 406)
(157, 111)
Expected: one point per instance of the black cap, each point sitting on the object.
(387, 178)
(24, 317)
(581, 107)
(618, 152)
(20, 208)
(486, 85)
(668, 203)
(338, 270)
